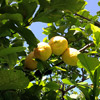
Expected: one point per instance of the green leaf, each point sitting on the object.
(28, 36)
(48, 15)
(8, 95)
(43, 66)
(68, 5)
(96, 34)
(52, 95)
(10, 50)
(85, 90)
(11, 59)
(88, 64)
(67, 98)
(67, 81)
(52, 86)
(12, 79)
(98, 76)
(8, 9)
(27, 9)
(59, 68)
(32, 93)
(40, 66)
(15, 17)
(83, 83)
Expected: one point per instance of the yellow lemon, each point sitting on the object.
(70, 56)
(43, 51)
(30, 62)
(58, 44)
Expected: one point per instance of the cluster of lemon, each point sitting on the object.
(57, 45)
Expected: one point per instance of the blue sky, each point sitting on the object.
(36, 27)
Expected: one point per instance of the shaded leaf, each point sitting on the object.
(8, 9)
(52, 86)
(11, 59)
(85, 90)
(15, 17)
(68, 5)
(12, 79)
(10, 95)
(27, 9)
(52, 95)
(48, 15)
(28, 36)
(32, 93)
(11, 50)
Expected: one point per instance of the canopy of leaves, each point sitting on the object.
(53, 79)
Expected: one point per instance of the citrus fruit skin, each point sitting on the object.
(43, 51)
(70, 56)
(58, 44)
(30, 62)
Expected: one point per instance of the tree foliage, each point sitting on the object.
(53, 79)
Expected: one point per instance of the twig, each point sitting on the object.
(95, 23)
(82, 17)
(82, 49)
(70, 88)
(86, 46)
(83, 78)
(59, 63)
(63, 92)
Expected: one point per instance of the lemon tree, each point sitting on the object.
(64, 66)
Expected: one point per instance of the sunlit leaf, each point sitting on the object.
(88, 64)
(59, 68)
(67, 81)
(96, 34)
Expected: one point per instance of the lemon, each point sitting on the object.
(70, 56)
(30, 62)
(58, 44)
(43, 51)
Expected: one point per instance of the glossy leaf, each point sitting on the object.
(47, 15)
(85, 90)
(32, 93)
(67, 81)
(52, 86)
(28, 36)
(96, 34)
(67, 5)
(59, 68)
(27, 9)
(11, 59)
(88, 64)
(52, 95)
(12, 79)
(11, 50)
(15, 17)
